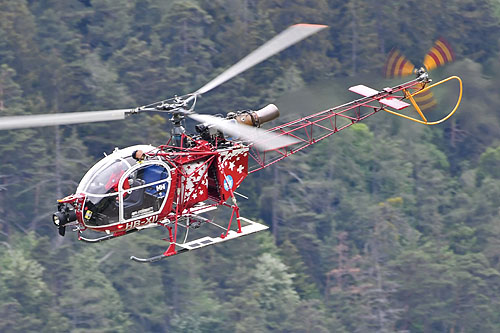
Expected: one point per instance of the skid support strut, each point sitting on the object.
(174, 248)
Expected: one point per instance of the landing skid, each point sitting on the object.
(250, 228)
(104, 238)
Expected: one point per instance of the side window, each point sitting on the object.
(101, 205)
(101, 210)
(148, 190)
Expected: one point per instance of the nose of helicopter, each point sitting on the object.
(65, 214)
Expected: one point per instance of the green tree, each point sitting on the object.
(17, 26)
(25, 146)
(426, 284)
(90, 301)
(475, 294)
(390, 232)
(302, 281)
(311, 316)
(109, 25)
(139, 69)
(26, 302)
(489, 163)
(267, 294)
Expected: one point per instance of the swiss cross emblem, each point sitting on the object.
(234, 168)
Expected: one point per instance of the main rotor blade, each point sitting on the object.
(53, 119)
(288, 37)
(262, 139)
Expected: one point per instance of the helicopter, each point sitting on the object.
(179, 184)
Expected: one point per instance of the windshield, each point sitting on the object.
(118, 188)
(107, 172)
(107, 178)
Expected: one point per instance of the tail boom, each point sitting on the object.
(316, 127)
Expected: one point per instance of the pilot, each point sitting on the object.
(138, 155)
(150, 174)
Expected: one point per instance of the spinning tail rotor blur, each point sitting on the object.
(397, 65)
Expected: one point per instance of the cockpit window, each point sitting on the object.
(101, 185)
(90, 184)
(150, 184)
(106, 179)
(143, 192)
(101, 210)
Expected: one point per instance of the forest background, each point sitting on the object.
(388, 226)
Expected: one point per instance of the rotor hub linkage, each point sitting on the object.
(422, 75)
(176, 103)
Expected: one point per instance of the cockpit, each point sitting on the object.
(118, 188)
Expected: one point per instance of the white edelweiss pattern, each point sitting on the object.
(195, 181)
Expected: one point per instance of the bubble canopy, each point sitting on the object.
(95, 180)
(118, 188)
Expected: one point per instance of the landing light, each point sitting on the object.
(62, 217)
(56, 219)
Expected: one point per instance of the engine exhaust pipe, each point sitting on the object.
(259, 117)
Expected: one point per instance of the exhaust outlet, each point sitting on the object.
(259, 117)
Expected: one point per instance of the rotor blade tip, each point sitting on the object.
(322, 26)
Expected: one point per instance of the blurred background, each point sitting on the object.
(388, 226)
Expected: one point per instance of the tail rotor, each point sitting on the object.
(397, 65)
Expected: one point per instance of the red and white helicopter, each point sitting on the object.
(176, 185)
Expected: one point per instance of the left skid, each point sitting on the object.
(250, 228)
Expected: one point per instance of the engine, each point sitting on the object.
(255, 118)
